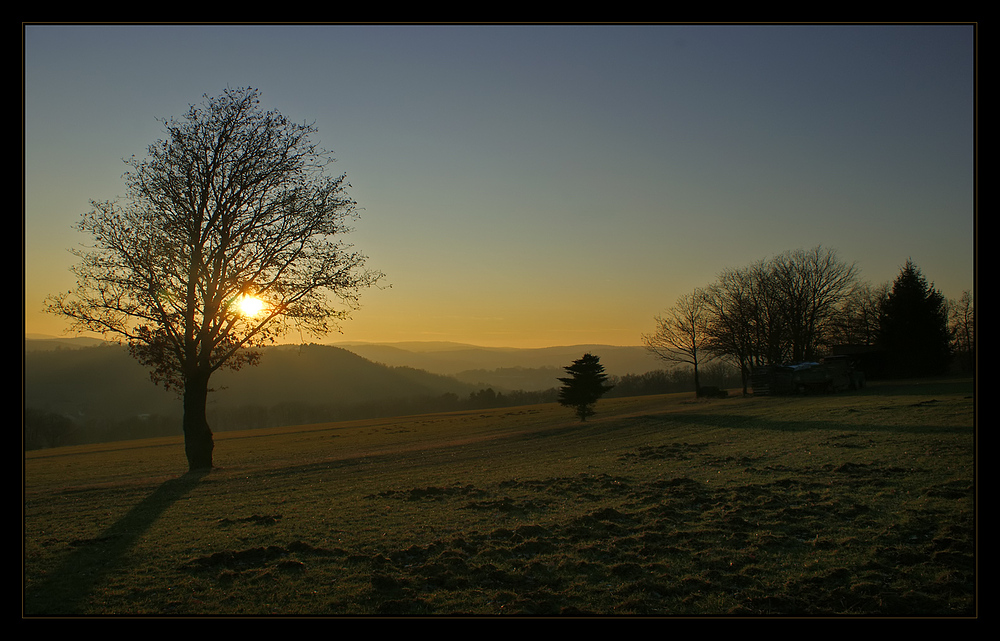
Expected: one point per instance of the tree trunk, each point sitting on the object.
(198, 442)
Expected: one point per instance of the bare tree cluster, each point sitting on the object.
(797, 306)
(785, 308)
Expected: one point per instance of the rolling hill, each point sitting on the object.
(108, 395)
(104, 383)
(504, 368)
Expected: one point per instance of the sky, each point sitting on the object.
(543, 185)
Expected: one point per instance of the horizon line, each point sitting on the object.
(395, 343)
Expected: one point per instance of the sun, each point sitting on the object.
(250, 305)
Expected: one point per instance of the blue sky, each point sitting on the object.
(544, 185)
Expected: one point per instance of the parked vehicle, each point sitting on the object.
(830, 374)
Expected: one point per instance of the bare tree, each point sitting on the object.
(767, 313)
(856, 321)
(681, 334)
(732, 321)
(962, 321)
(233, 205)
(810, 285)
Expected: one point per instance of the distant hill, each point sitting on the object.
(324, 373)
(104, 383)
(508, 368)
(108, 395)
(504, 379)
(40, 342)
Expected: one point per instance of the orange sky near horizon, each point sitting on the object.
(536, 186)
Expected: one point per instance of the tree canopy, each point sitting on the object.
(234, 203)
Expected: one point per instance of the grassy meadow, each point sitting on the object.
(852, 504)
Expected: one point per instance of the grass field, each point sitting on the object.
(851, 504)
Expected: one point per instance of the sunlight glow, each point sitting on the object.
(250, 305)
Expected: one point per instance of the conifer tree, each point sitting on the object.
(584, 386)
(913, 326)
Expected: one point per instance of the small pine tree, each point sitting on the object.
(585, 385)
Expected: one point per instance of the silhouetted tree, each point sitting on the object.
(234, 202)
(913, 326)
(681, 335)
(584, 386)
(856, 321)
(735, 324)
(810, 285)
(783, 309)
(45, 429)
(485, 398)
(962, 324)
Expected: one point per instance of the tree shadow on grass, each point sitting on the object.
(67, 589)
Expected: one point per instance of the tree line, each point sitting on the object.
(800, 305)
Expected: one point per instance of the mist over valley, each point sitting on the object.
(98, 392)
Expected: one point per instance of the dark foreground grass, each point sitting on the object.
(845, 505)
